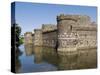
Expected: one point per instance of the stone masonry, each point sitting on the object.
(28, 38)
(75, 31)
(71, 33)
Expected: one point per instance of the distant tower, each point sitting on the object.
(28, 39)
(37, 37)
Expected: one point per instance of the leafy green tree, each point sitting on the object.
(15, 34)
(21, 39)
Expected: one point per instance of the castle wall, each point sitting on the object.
(50, 38)
(71, 33)
(87, 39)
(87, 35)
(73, 40)
(49, 35)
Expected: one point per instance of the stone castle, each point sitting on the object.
(71, 33)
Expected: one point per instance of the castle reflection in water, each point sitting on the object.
(40, 59)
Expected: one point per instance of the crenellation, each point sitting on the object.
(79, 19)
(48, 27)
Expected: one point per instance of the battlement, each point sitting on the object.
(48, 27)
(27, 33)
(37, 30)
(80, 19)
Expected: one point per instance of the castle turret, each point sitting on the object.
(37, 37)
(67, 39)
(28, 39)
(80, 19)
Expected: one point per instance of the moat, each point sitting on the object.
(41, 59)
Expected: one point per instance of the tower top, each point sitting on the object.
(72, 17)
(27, 33)
(37, 29)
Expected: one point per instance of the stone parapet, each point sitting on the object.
(72, 17)
(79, 19)
(48, 27)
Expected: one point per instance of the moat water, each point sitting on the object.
(41, 59)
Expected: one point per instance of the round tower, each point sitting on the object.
(67, 38)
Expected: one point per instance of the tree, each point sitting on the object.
(15, 34)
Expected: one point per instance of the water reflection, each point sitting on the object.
(67, 62)
(17, 60)
(28, 49)
(87, 58)
(39, 59)
(38, 56)
(50, 55)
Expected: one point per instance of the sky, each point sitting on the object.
(32, 15)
